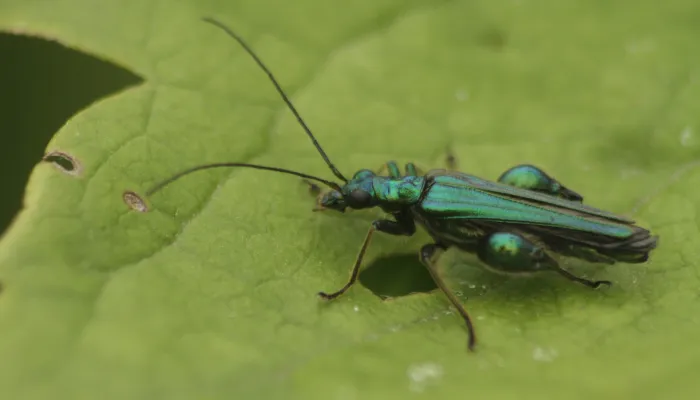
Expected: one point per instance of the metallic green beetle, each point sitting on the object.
(514, 226)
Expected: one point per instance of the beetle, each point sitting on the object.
(517, 225)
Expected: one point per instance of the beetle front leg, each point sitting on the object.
(450, 165)
(391, 167)
(429, 255)
(450, 160)
(404, 225)
(529, 177)
(512, 253)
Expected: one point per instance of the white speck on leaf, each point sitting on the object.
(356, 308)
(640, 46)
(422, 375)
(629, 172)
(544, 354)
(461, 95)
(372, 337)
(686, 136)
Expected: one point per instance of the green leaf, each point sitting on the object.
(211, 294)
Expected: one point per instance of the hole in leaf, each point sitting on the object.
(134, 201)
(64, 162)
(43, 86)
(396, 276)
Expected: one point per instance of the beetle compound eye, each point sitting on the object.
(358, 198)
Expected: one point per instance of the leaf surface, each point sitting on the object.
(211, 294)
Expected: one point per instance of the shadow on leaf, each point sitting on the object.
(396, 276)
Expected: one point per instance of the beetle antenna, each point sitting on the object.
(157, 187)
(291, 107)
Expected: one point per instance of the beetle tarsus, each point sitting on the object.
(450, 160)
(591, 284)
(429, 255)
(355, 269)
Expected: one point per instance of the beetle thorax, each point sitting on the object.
(367, 190)
(398, 191)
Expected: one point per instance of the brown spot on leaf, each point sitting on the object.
(134, 201)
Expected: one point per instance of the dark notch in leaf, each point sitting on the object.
(64, 162)
(43, 86)
(397, 275)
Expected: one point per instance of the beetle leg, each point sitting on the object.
(404, 225)
(529, 177)
(512, 253)
(429, 254)
(355, 272)
(591, 284)
(392, 168)
(412, 170)
(450, 160)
